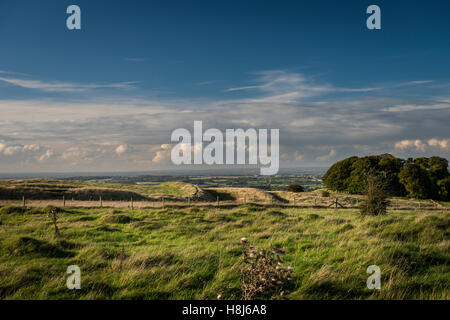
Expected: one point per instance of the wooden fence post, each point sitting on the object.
(64, 201)
(218, 202)
(132, 205)
(23, 200)
(101, 202)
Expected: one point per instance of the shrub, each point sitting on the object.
(117, 218)
(295, 188)
(264, 273)
(12, 210)
(324, 193)
(376, 202)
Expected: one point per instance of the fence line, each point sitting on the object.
(295, 202)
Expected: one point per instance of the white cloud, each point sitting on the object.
(298, 157)
(25, 153)
(11, 150)
(443, 144)
(31, 147)
(421, 145)
(47, 155)
(163, 155)
(405, 144)
(327, 157)
(74, 153)
(121, 149)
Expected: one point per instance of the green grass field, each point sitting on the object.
(196, 254)
(82, 190)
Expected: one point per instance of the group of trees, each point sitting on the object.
(422, 178)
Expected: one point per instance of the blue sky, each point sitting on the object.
(293, 65)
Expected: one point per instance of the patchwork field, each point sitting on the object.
(195, 253)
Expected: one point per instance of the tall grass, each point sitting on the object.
(196, 254)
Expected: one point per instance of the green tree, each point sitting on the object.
(419, 178)
(336, 178)
(416, 181)
(389, 169)
(438, 168)
(360, 170)
(444, 189)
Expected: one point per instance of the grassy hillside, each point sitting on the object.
(195, 253)
(81, 190)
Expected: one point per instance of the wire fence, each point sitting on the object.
(344, 202)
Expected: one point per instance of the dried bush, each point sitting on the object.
(263, 273)
(53, 215)
(376, 202)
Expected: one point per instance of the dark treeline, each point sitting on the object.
(422, 178)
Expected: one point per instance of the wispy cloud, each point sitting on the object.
(205, 83)
(418, 82)
(56, 86)
(244, 88)
(281, 83)
(415, 107)
(136, 59)
(11, 72)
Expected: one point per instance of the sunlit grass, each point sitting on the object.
(195, 253)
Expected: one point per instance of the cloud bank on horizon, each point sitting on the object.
(108, 100)
(134, 134)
